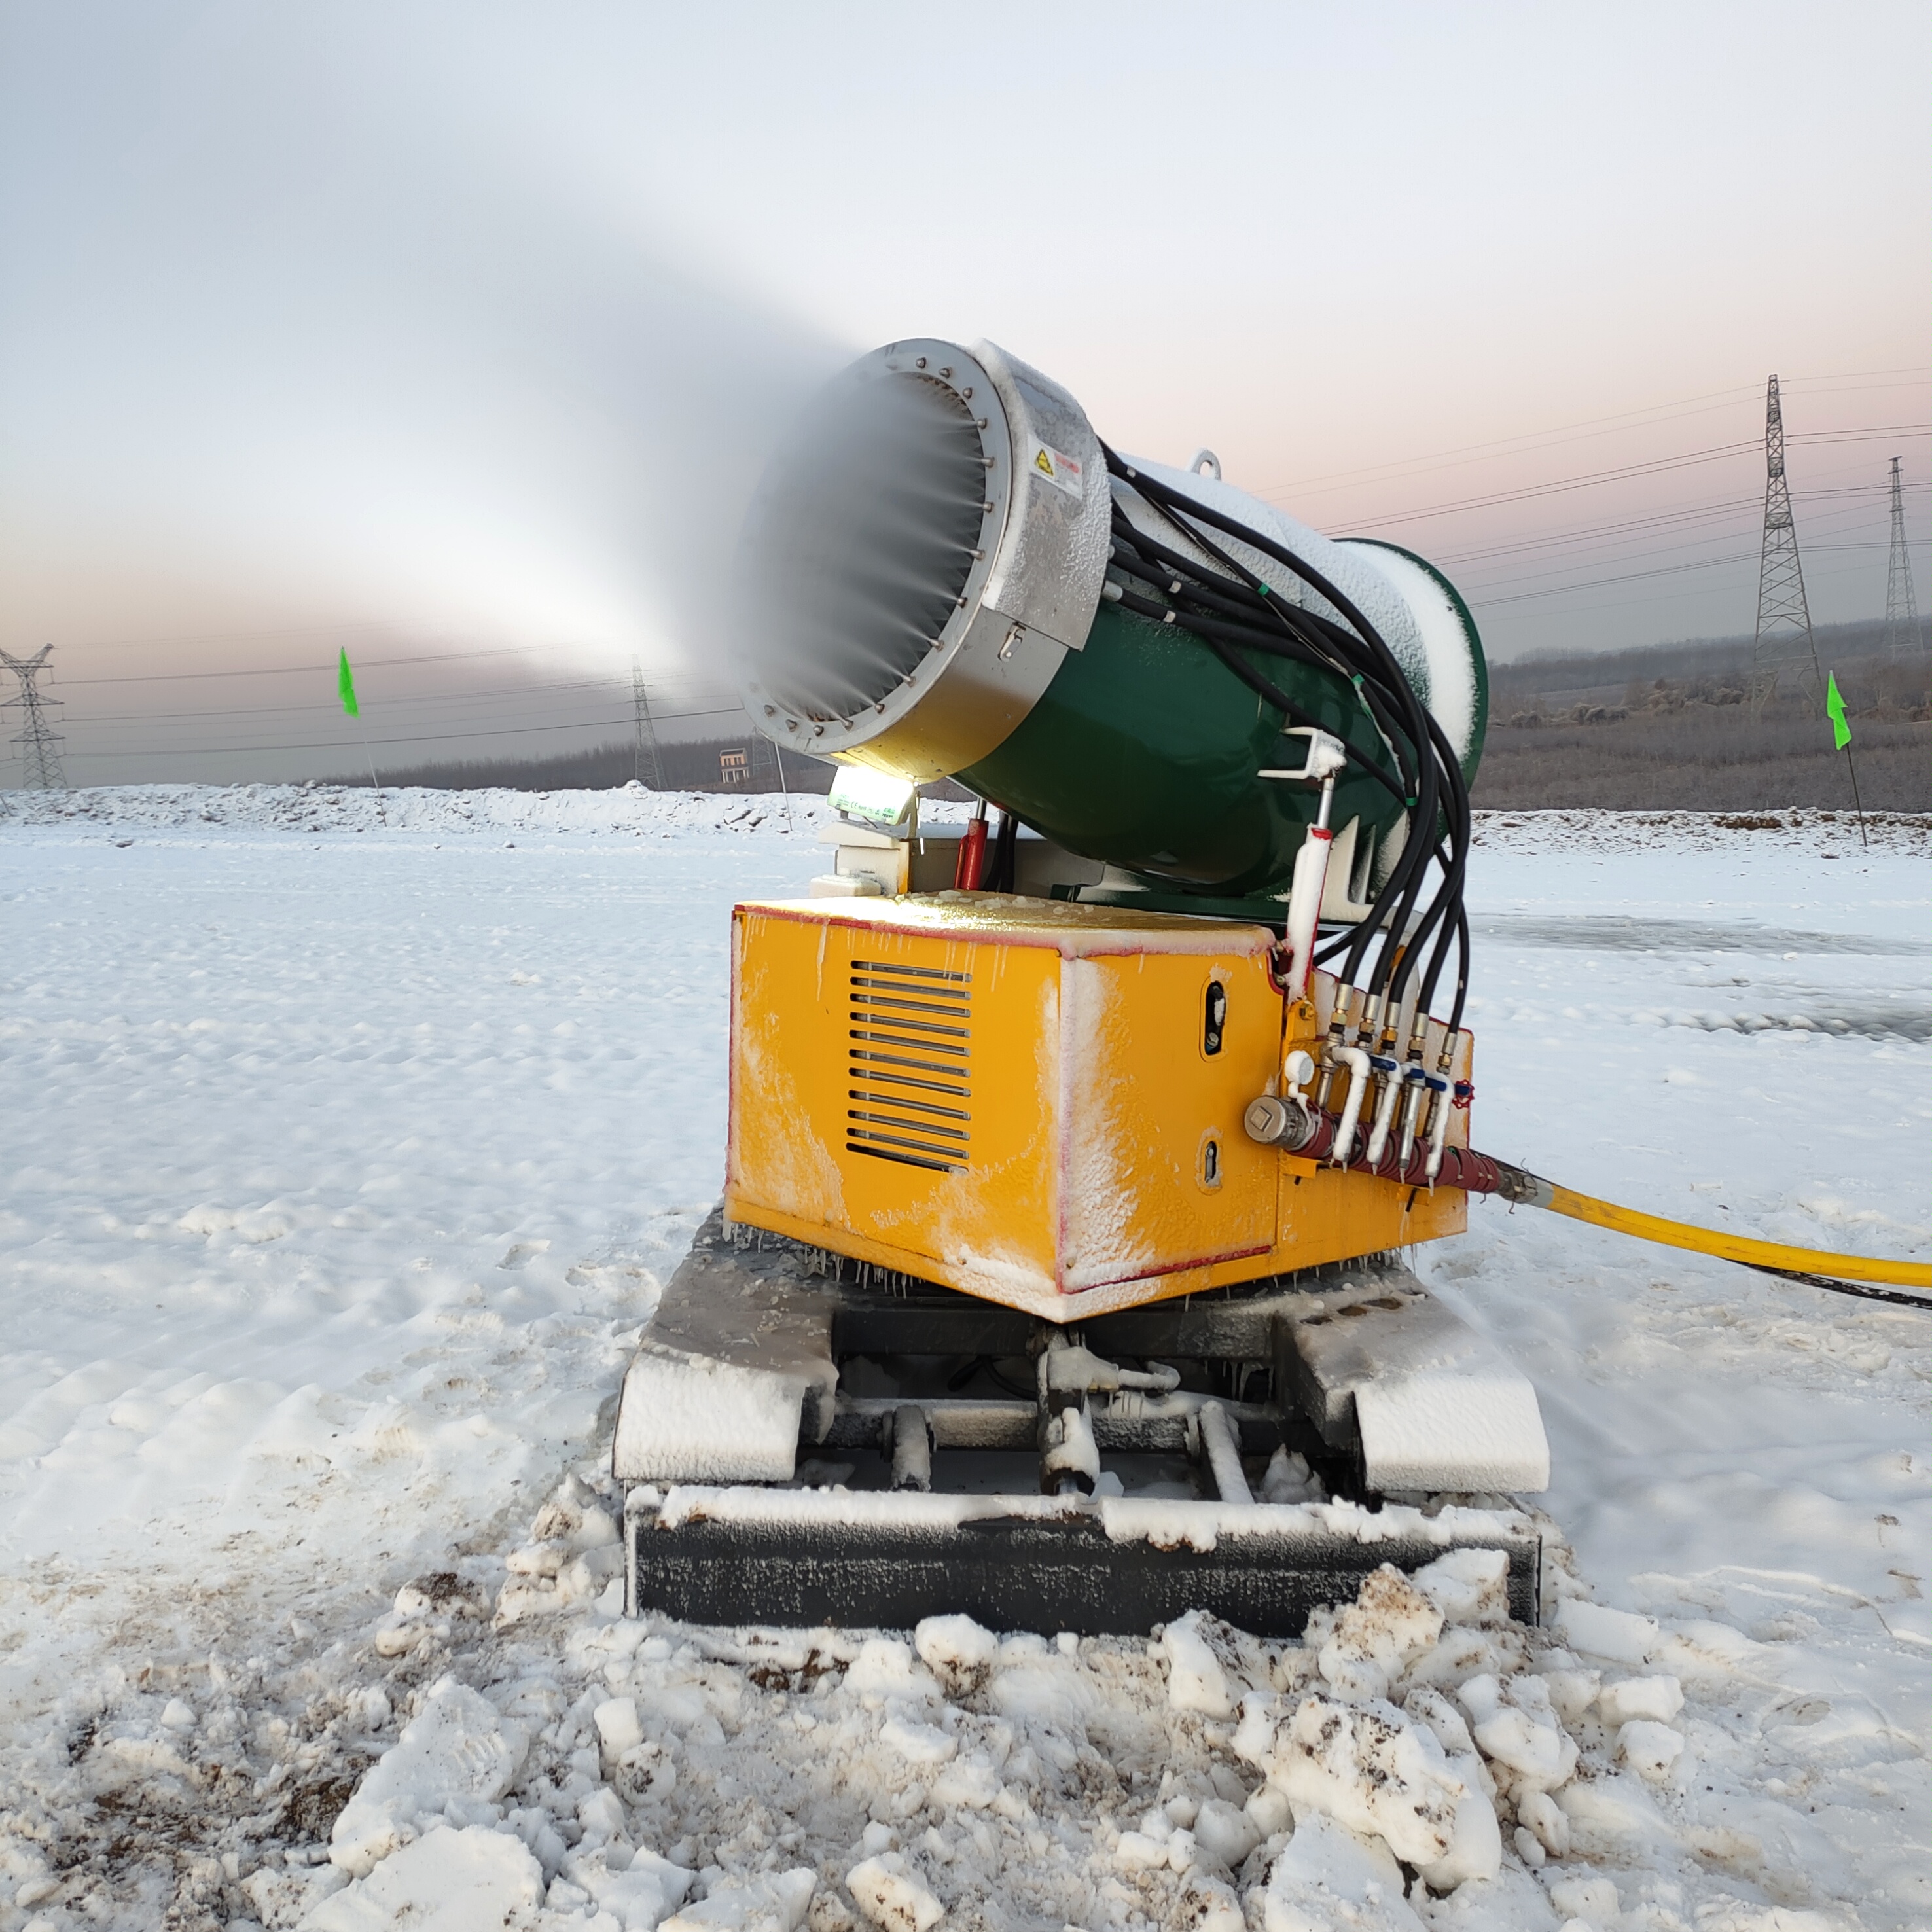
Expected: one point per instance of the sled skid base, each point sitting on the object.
(807, 1440)
(798, 1558)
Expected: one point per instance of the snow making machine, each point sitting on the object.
(1073, 1149)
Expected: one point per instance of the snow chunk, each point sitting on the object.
(776, 1903)
(459, 1753)
(1614, 1635)
(1390, 1624)
(1468, 1586)
(1651, 1750)
(890, 1894)
(1225, 1832)
(1658, 1699)
(1515, 1725)
(884, 1668)
(1431, 1708)
(1069, 1448)
(1547, 1820)
(1331, 1880)
(1571, 1692)
(639, 1895)
(619, 1728)
(1592, 1900)
(917, 1743)
(971, 1782)
(1201, 1665)
(1288, 1479)
(1369, 1767)
(451, 1881)
(957, 1651)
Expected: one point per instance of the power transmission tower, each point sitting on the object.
(1901, 607)
(39, 742)
(1784, 644)
(647, 731)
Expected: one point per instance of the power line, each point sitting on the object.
(1583, 431)
(1593, 479)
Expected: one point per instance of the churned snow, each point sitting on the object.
(345, 1155)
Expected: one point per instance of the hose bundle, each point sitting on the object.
(1241, 619)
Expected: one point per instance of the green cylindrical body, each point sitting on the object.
(1145, 752)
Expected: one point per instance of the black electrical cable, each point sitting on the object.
(1393, 964)
(1222, 611)
(1863, 1289)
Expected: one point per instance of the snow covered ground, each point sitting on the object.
(344, 1156)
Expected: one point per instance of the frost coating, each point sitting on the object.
(685, 1418)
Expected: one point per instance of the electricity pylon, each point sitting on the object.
(40, 743)
(1901, 607)
(1784, 646)
(647, 731)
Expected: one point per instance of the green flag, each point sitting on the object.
(345, 682)
(1834, 710)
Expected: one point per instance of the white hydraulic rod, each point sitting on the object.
(1438, 1130)
(1326, 757)
(1356, 1059)
(1385, 1119)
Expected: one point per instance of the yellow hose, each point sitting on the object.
(1730, 1247)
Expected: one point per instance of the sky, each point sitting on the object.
(455, 334)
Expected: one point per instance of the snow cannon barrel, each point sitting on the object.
(944, 573)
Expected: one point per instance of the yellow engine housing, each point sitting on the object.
(1022, 1099)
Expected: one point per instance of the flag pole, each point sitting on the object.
(345, 687)
(1841, 737)
(382, 817)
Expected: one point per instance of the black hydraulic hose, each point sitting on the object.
(1393, 677)
(1462, 968)
(1438, 780)
(1286, 620)
(1289, 618)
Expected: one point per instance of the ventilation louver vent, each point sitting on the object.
(909, 1065)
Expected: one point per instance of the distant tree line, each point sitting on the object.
(747, 763)
(1680, 727)
(1670, 726)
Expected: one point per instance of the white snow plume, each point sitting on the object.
(380, 325)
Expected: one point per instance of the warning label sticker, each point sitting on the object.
(1055, 467)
